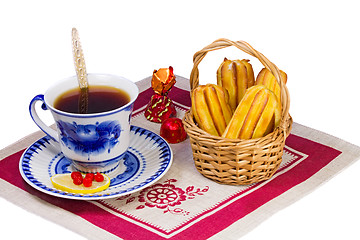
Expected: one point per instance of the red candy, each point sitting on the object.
(159, 109)
(172, 129)
(160, 106)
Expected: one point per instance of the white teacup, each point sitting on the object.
(94, 142)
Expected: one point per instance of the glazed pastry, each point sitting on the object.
(257, 114)
(235, 76)
(210, 108)
(265, 77)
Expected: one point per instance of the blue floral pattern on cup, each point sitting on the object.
(91, 138)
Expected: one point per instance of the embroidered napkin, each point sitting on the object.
(183, 203)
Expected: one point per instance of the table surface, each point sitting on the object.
(315, 43)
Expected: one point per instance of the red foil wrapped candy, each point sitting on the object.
(161, 106)
(172, 130)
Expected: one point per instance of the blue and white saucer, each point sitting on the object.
(148, 158)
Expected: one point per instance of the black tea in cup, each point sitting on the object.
(100, 99)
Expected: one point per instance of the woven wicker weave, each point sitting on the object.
(237, 161)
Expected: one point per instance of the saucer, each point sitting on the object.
(147, 159)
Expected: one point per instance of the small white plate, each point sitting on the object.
(148, 158)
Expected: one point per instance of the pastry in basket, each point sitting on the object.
(257, 114)
(235, 76)
(227, 159)
(265, 77)
(210, 108)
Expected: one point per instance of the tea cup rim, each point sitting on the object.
(134, 94)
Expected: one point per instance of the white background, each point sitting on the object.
(317, 43)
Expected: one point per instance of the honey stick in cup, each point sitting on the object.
(81, 73)
(84, 100)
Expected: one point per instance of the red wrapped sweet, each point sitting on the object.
(161, 106)
(173, 131)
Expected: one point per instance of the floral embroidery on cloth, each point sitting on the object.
(165, 196)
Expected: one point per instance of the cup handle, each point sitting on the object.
(49, 131)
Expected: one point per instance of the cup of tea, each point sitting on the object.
(97, 140)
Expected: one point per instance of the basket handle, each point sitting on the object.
(247, 48)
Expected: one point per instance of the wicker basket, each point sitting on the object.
(237, 161)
